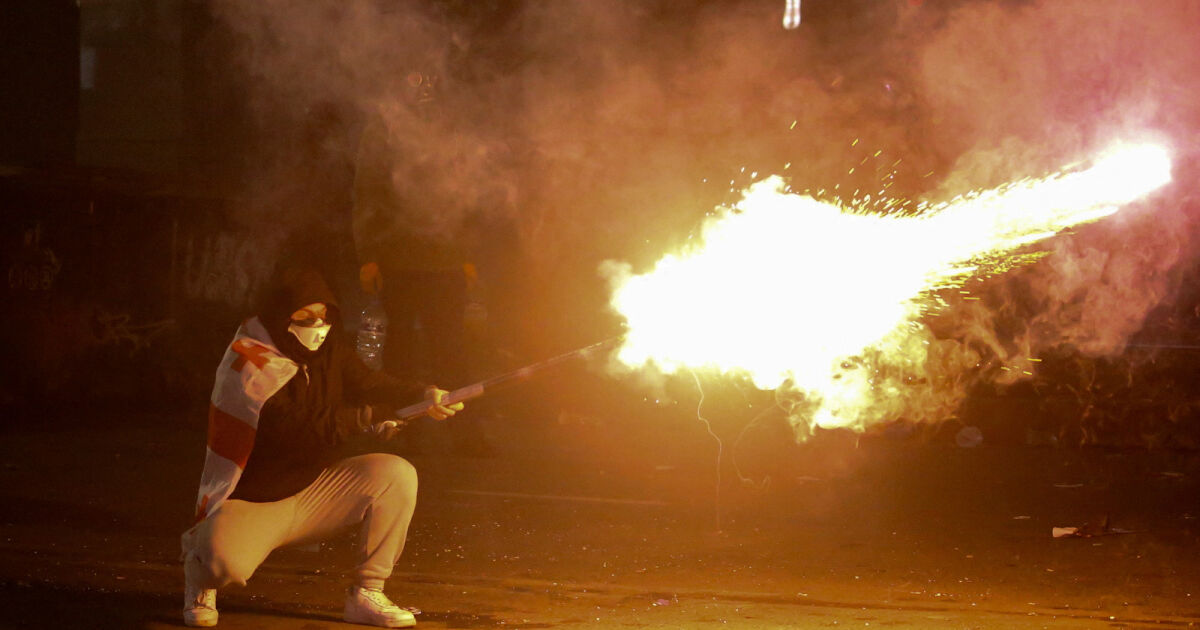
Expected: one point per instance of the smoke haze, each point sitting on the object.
(605, 129)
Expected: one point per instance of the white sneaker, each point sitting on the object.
(373, 608)
(199, 604)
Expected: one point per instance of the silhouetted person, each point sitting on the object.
(409, 236)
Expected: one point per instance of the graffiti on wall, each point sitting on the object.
(222, 267)
(118, 329)
(33, 266)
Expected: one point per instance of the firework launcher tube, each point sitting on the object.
(459, 395)
(476, 390)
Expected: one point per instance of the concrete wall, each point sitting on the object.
(39, 74)
(117, 297)
(131, 99)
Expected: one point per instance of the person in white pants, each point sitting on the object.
(288, 396)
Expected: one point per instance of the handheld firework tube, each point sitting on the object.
(459, 395)
(476, 390)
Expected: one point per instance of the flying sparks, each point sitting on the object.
(787, 289)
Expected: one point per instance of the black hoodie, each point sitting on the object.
(303, 427)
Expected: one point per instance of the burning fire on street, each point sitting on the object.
(824, 299)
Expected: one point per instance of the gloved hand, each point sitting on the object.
(388, 429)
(370, 278)
(439, 411)
(385, 430)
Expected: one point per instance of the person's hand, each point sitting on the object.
(370, 278)
(388, 429)
(438, 411)
(385, 430)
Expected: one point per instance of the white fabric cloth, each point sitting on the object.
(252, 370)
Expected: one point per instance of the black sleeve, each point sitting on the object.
(349, 422)
(365, 386)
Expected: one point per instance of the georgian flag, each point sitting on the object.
(251, 371)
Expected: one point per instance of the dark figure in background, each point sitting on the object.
(291, 397)
(409, 234)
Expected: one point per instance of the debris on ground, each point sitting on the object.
(1102, 528)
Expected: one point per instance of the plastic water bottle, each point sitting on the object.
(372, 334)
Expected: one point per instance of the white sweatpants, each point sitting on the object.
(378, 490)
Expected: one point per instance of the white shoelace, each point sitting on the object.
(377, 597)
(206, 598)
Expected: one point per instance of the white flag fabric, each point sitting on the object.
(251, 371)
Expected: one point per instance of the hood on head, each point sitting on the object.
(290, 289)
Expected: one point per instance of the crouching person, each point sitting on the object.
(289, 393)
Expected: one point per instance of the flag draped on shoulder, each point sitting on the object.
(251, 371)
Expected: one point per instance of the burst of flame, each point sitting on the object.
(783, 287)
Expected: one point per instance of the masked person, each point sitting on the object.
(289, 395)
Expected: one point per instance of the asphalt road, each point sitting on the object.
(584, 523)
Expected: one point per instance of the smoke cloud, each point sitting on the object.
(606, 129)
(1016, 87)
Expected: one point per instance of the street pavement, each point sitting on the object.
(581, 521)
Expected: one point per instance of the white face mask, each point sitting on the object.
(310, 337)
